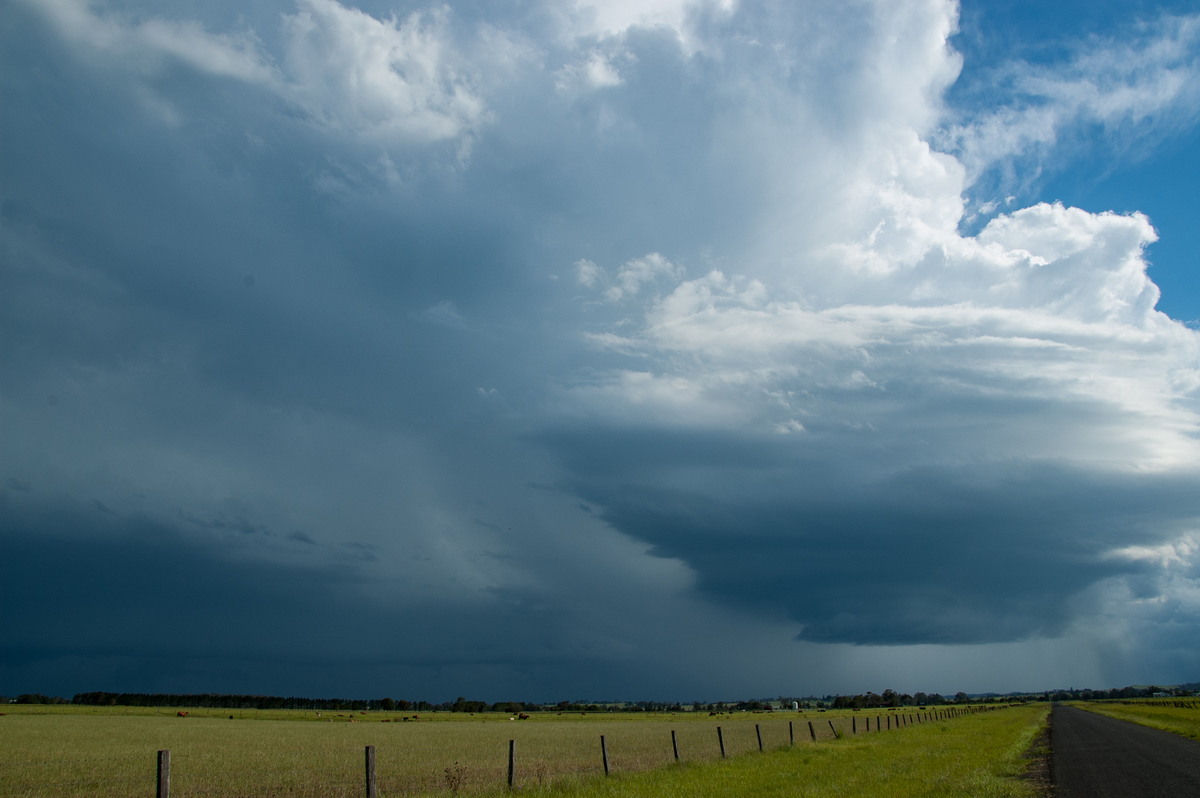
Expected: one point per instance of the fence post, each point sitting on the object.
(164, 775)
(512, 761)
(604, 753)
(369, 761)
(758, 734)
(791, 734)
(853, 724)
(674, 745)
(833, 729)
(721, 740)
(812, 732)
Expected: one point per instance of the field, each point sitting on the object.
(1155, 713)
(109, 752)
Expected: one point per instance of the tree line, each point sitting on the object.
(869, 700)
(460, 704)
(1148, 691)
(890, 698)
(229, 701)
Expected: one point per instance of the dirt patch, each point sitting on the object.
(1037, 757)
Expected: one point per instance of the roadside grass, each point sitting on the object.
(78, 751)
(1177, 720)
(979, 755)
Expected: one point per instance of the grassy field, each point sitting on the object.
(1178, 720)
(980, 756)
(109, 752)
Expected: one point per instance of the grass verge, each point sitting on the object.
(1184, 721)
(984, 755)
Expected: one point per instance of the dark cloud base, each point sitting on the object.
(96, 600)
(981, 553)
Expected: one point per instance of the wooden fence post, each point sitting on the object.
(604, 753)
(512, 761)
(853, 724)
(369, 761)
(721, 741)
(791, 734)
(164, 775)
(812, 732)
(833, 729)
(674, 745)
(758, 734)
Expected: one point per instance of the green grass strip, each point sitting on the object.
(1183, 721)
(979, 755)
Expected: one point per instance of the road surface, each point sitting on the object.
(1093, 756)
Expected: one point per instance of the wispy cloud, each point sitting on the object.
(1139, 87)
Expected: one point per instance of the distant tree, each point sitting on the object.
(38, 698)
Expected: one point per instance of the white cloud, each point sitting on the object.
(617, 17)
(639, 272)
(391, 82)
(386, 79)
(1049, 304)
(587, 273)
(148, 44)
(594, 70)
(1143, 85)
(1179, 553)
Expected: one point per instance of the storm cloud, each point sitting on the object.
(543, 351)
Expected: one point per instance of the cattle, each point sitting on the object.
(522, 716)
(181, 714)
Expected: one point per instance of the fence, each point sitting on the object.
(883, 721)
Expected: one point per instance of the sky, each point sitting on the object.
(544, 350)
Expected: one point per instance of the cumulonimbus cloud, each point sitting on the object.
(691, 322)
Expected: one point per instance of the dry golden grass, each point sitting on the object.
(108, 752)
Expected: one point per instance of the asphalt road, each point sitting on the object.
(1093, 756)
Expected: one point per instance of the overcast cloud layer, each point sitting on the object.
(619, 350)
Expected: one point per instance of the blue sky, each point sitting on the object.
(541, 351)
